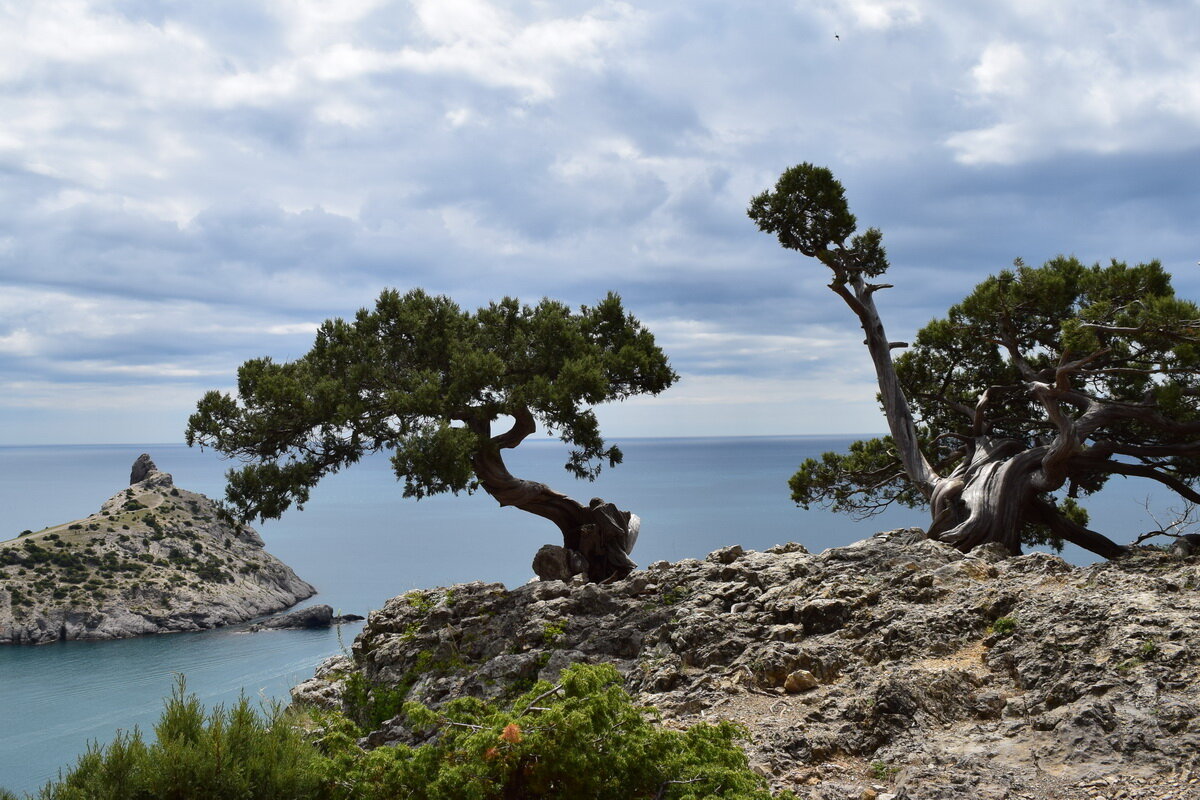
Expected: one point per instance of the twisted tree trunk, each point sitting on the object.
(597, 537)
(1000, 486)
(998, 490)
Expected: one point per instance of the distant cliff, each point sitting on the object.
(154, 559)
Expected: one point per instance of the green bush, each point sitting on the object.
(228, 753)
(1005, 626)
(582, 738)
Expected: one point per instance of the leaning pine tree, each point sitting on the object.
(425, 380)
(1032, 392)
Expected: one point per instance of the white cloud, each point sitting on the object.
(884, 14)
(1082, 78)
(475, 39)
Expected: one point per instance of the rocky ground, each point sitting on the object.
(154, 559)
(894, 668)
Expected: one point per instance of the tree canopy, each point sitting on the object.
(422, 378)
(1032, 392)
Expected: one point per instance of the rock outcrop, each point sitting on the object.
(896, 667)
(319, 616)
(154, 559)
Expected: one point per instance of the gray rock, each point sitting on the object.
(142, 467)
(873, 666)
(800, 681)
(555, 563)
(319, 616)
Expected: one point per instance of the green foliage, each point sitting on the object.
(229, 753)
(422, 378)
(369, 705)
(581, 739)
(1005, 626)
(676, 594)
(420, 601)
(807, 211)
(584, 740)
(554, 632)
(861, 482)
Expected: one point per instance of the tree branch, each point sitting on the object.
(1146, 471)
(1073, 532)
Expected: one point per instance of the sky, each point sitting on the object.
(185, 186)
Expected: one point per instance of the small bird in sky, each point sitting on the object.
(837, 37)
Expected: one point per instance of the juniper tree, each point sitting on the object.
(1036, 389)
(425, 380)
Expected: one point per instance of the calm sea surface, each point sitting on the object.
(359, 542)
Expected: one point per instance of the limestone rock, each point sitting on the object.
(555, 563)
(142, 467)
(911, 691)
(319, 616)
(800, 681)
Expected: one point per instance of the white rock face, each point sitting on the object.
(153, 559)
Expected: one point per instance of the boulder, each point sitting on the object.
(554, 563)
(319, 616)
(142, 467)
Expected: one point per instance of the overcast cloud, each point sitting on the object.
(184, 186)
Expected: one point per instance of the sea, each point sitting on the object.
(360, 542)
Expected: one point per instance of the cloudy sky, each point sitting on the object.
(184, 186)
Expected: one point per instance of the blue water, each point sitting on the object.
(360, 543)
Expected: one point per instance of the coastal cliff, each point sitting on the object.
(154, 559)
(896, 667)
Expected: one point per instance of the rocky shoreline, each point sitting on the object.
(894, 668)
(154, 559)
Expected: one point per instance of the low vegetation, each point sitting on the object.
(582, 737)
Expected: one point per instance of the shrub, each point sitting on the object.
(1004, 626)
(236, 752)
(582, 738)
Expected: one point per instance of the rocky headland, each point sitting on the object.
(896, 667)
(154, 559)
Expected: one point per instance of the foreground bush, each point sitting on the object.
(229, 753)
(582, 738)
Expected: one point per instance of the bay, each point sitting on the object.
(360, 542)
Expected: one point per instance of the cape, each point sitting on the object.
(154, 559)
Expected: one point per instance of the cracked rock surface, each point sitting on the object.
(896, 667)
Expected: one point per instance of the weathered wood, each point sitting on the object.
(600, 533)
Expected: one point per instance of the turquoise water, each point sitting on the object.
(360, 543)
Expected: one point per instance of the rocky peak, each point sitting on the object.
(144, 470)
(142, 467)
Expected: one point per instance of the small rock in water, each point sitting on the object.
(320, 616)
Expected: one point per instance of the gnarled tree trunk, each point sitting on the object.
(1000, 486)
(597, 537)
